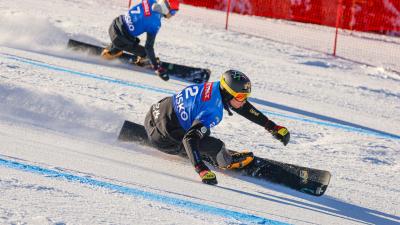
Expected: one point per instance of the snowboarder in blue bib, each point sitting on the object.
(180, 124)
(144, 16)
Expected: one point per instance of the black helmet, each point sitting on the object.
(234, 84)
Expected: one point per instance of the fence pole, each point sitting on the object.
(228, 9)
(338, 17)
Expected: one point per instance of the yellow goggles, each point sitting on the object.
(239, 96)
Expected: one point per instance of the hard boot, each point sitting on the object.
(240, 160)
(110, 54)
(143, 62)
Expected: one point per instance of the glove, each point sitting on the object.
(161, 72)
(206, 175)
(280, 133)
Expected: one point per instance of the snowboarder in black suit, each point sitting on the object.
(143, 17)
(181, 123)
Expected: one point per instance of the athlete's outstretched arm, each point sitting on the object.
(149, 46)
(251, 113)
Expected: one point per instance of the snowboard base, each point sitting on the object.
(186, 73)
(307, 180)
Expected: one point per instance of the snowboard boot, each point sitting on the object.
(143, 62)
(110, 54)
(206, 175)
(240, 160)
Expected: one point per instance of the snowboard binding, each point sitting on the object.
(240, 160)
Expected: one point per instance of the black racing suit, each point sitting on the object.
(122, 40)
(166, 133)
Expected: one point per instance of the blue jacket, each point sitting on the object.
(142, 19)
(201, 102)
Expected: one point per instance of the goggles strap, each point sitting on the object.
(227, 88)
(232, 92)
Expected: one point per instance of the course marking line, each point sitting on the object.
(165, 91)
(54, 174)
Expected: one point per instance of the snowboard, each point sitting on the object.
(182, 72)
(307, 180)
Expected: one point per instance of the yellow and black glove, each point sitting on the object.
(278, 132)
(207, 176)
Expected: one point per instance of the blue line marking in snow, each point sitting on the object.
(335, 125)
(89, 75)
(161, 90)
(229, 214)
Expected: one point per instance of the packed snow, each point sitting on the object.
(61, 111)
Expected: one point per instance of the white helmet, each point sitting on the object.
(166, 7)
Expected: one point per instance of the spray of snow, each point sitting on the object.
(30, 32)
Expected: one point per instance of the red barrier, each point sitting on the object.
(382, 16)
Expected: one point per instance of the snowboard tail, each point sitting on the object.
(186, 73)
(307, 180)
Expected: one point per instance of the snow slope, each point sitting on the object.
(60, 114)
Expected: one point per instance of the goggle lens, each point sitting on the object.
(241, 96)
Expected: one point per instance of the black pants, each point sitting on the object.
(159, 135)
(121, 40)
